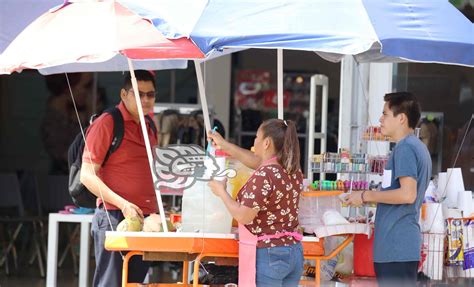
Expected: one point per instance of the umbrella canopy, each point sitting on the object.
(421, 31)
(91, 32)
(371, 30)
(86, 32)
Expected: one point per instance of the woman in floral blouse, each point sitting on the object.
(267, 205)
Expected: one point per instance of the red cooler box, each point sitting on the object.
(363, 255)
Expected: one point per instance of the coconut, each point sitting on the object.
(152, 223)
(130, 224)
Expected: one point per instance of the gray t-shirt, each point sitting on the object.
(397, 232)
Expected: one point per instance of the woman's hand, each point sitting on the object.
(130, 210)
(218, 187)
(217, 140)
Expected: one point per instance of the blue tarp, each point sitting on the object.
(371, 30)
(423, 31)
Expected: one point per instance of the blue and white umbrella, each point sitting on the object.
(431, 31)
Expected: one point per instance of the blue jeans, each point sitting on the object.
(108, 270)
(279, 266)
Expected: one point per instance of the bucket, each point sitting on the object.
(363, 255)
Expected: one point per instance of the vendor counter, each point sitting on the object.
(195, 247)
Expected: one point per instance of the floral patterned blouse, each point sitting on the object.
(275, 194)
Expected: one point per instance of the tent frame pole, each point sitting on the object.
(280, 83)
(202, 96)
(147, 144)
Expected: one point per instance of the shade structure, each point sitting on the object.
(94, 32)
(372, 30)
(431, 31)
(91, 32)
(330, 28)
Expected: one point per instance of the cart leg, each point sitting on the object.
(197, 263)
(185, 272)
(125, 266)
(317, 272)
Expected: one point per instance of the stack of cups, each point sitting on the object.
(442, 180)
(465, 203)
(454, 185)
(434, 222)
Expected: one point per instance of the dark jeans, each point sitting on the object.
(396, 273)
(108, 271)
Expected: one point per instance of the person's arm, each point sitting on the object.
(245, 156)
(241, 213)
(95, 185)
(406, 194)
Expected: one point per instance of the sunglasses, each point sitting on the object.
(143, 94)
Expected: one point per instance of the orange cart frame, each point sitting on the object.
(195, 247)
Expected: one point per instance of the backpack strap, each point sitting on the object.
(118, 131)
(152, 124)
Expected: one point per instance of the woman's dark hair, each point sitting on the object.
(285, 139)
(406, 103)
(141, 75)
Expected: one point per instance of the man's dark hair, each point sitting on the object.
(141, 75)
(406, 103)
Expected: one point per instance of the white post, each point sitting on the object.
(345, 102)
(324, 113)
(312, 120)
(202, 96)
(147, 144)
(52, 261)
(280, 83)
(317, 80)
(380, 84)
(85, 251)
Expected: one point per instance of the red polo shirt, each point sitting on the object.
(127, 171)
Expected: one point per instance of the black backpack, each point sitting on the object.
(80, 195)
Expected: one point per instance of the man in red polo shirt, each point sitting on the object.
(124, 185)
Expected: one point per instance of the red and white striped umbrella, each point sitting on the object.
(90, 32)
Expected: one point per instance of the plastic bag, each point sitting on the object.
(345, 262)
(328, 267)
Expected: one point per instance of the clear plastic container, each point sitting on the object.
(202, 211)
(312, 209)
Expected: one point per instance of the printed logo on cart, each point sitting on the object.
(181, 166)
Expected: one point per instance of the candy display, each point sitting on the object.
(344, 162)
(343, 185)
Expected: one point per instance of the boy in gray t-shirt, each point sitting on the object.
(397, 241)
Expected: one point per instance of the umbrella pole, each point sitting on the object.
(147, 144)
(280, 83)
(202, 96)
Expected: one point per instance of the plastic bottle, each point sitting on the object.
(222, 163)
